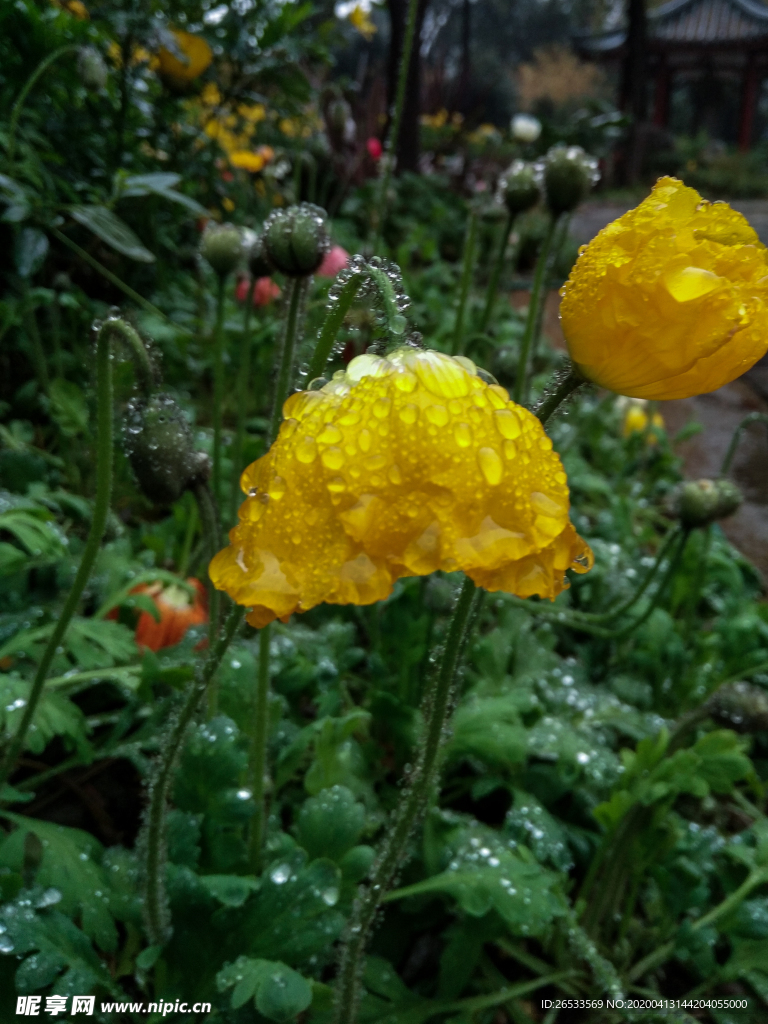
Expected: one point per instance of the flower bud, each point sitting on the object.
(740, 706)
(700, 502)
(222, 247)
(520, 187)
(569, 173)
(92, 69)
(161, 450)
(525, 128)
(296, 239)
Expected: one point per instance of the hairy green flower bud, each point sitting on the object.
(222, 246)
(161, 450)
(740, 706)
(92, 69)
(568, 174)
(297, 239)
(520, 187)
(700, 502)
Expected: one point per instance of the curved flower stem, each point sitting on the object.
(532, 319)
(18, 106)
(435, 707)
(242, 401)
(155, 901)
(563, 388)
(493, 282)
(467, 266)
(104, 445)
(258, 753)
(295, 289)
(332, 326)
(753, 417)
(397, 116)
(756, 877)
(146, 377)
(218, 383)
(145, 304)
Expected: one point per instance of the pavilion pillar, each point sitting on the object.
(748, 104)
(661, 97)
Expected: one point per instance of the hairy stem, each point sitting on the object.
(498, 264)
(467, 267)
(532, 319)
(753, 417)
(218, 383)
(332, 325)
(563, 388)
(243, 381)
(397, 116)
(104, 444)
(155, 908)
(258, 754)
(411, 805)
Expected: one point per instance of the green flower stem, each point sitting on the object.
(38, 352)
(189, 537)
(258, 753)
(753, 417)
(493, 282)
(242, 401)
(467, 267)
(296, 289)
(218, 383)
(332, 326)
(537, 298)
(145, 304)
(558, 240)
(146, 378)
(18, 106)
(756, 877)
(394, 132)
(411, 805)
(104, 445)
(563, 388)
(209, 520)
(155, 901)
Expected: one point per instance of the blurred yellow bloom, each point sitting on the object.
(210, 94)
(668, 301)
(253, 112)
(398, 467)
(247, 160)
(636, 419)
(73, 7)
(435, 120)
(139, 55)
(228, 204)
(196, 57)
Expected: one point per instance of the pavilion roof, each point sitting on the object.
(703, 22)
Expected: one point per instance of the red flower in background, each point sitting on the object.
(333, 261)
(265, 291)
(374, 147)
(178, 611)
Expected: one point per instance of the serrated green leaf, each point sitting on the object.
(68, 407)
(330, 823)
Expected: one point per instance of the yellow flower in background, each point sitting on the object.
(73, 7)
(210, 95)
(670, 300)
(637, 419)
(139, 55)
(398, 467)
(253, 112)
(358, 14)
(250, 160)
(196, 56)
(437, 120)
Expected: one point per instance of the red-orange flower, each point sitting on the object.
(265, 291)
(178, 611)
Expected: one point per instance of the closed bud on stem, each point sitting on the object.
(297, 239)
(161, 450)
(568, 174)
(92, 69)
(222, 247)
(740, 706)
(520, 187)
(701, 502)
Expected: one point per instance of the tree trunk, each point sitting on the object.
(633, 84)
(408, 148)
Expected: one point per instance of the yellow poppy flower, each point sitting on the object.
(196, 57)
(670, 300)
(398, 467)
(247, 160)
(636, 418)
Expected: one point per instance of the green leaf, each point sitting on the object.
(723, 761)
(161, 184)
(55, 715)
(31, 249)
(71, 866)
(330, 823)
(69, 408)
(39, 537)
(231, 890)
(110, 229)
(279, 993)
(92, 643)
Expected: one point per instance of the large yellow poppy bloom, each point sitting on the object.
(670, 300)
(398, 467)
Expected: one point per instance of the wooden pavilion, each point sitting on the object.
(719, 48)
